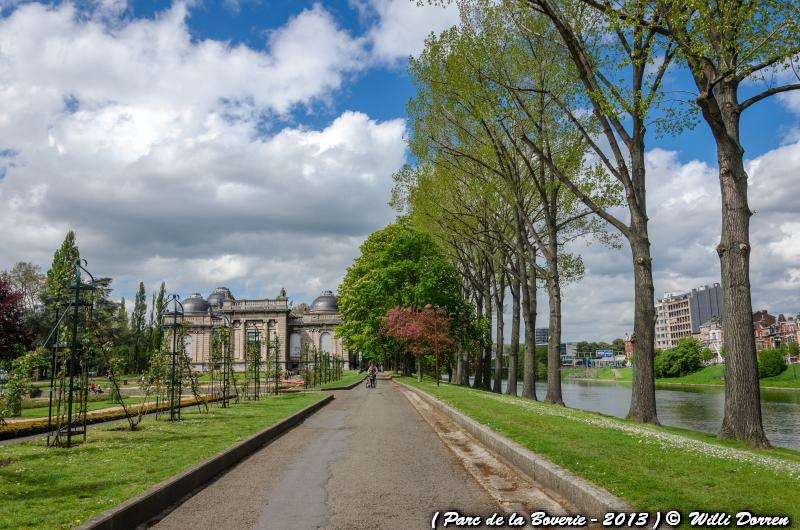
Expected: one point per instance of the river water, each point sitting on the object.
(691, 407)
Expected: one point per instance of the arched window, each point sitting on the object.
(325, 342)
(295, 344)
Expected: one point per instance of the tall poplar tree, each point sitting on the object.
(62, 271)
(137, 327)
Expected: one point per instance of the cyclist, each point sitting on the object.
(372, 372)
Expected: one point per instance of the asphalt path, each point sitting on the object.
(367, 460)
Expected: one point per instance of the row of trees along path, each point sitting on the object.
(530, 125)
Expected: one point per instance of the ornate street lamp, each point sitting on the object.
(175, 381)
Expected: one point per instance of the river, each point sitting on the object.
(691, 407)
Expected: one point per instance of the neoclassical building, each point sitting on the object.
(265, 321)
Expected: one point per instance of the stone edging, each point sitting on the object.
(587, 498)
(157, 499)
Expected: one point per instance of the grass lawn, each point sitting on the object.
(710, 375)
(61, 488)
(654, 468)
(348, 378)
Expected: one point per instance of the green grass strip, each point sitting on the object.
(654, 468)
(710, 375)
(348, 378)
(44, 487)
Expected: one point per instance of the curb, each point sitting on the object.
(587, 498)
(348, 387)
(160, 497)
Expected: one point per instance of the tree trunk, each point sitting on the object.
(742, 415)
(419, 368)
(478, 381)
(643, 392)
(499, 297)
(512, 363)
(487, 351)
(529, 317)
(554, 342)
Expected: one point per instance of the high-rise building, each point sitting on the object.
(541, 335)
(679, 315)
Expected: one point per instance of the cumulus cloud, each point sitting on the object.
(402, 26)
(685, 221)
(151, 145)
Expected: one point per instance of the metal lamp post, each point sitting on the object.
(177, 310)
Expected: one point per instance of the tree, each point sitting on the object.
(470, 125)
(14, 335)
(683, 359)
(420, 331)
(29, 280)
(137, 327)
(398, 266)
(159, 306)
(726, 44)
(62, 271)
(771, 362)
(300, 309)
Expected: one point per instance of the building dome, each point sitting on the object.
(195, 304)
(324, 303)
(219, 295)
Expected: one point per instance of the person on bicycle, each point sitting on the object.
(373, 374)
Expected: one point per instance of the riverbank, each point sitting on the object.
(60, 488)
(695, 470)
(708, 376)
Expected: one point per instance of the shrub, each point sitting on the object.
(771, 363)
(683, 359)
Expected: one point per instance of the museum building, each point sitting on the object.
(263, 321)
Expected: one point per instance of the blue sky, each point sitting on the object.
(251, 144)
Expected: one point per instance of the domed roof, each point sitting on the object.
(195, 304)
(219, 295)
(325, 302)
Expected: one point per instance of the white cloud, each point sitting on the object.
(403, 25)
(150, 144)
(685, 221)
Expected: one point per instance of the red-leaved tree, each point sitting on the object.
(420, 331)
(14, 337)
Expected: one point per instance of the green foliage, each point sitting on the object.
(588, 349)
(62, 271)
(771, 362)
(683, 359)
(398, 266)
(61, 490)
(19, 381)
(137, 330)
(794, 349)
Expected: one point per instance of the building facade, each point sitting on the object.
(680, 315)
(267, 322)
(712, 335)
(541, 335)
(772, 332)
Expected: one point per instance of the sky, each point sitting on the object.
(251, 144)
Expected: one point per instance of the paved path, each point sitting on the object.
(367, 460)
